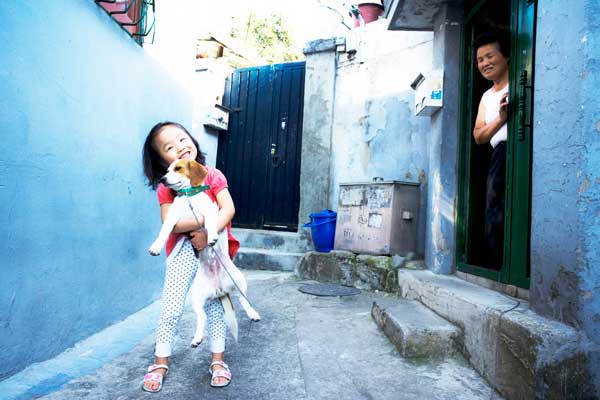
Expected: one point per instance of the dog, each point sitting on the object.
(213, 280)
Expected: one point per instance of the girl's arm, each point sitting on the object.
(182, 226)
(226, 209)
(226, 213)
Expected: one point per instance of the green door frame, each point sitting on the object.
(518, 177)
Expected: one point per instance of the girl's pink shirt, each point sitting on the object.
(217, 182)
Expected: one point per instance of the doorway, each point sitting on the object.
(517, 19)
(260, 152)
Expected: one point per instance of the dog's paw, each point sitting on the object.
(212, 240)
(253, 315)
(196, 342)
(154, 249)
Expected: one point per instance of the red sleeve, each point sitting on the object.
(164, 194)
(217, 182)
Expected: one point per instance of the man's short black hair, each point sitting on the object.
(490, 37)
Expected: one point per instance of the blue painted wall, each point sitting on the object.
(443, 145)
(77, 97)
(565, 222)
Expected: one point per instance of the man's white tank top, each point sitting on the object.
(491, 102)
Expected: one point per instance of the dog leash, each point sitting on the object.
(218, 256)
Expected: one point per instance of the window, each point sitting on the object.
(132, 15)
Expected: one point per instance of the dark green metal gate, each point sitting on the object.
(260, 152)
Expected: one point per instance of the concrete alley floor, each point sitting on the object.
(305, 347)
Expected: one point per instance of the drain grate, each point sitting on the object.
(328, 289)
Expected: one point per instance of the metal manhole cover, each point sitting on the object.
(328, 289)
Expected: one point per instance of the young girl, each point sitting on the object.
(167, 142)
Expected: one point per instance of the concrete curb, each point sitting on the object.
(362, 271)
(267, 260)
(520, 353)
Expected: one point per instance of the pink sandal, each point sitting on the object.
(219, 373)
(152, 376)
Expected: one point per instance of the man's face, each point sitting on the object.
(490, 61)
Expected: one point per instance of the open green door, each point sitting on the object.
(518, 17)
(518, 191)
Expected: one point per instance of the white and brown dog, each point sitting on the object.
(212, 281)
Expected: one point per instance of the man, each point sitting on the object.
(492, 57)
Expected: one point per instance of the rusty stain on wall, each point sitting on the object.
(584, 186)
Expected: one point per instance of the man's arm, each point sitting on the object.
(482, 133)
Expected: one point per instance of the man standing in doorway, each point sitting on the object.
(492, 57)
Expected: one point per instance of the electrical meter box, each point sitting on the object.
(429, 93)
(217, 117)
(378, 218)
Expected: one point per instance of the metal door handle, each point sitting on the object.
(522, 105)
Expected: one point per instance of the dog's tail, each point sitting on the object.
(229, 316)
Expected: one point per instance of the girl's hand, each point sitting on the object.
(199, 238)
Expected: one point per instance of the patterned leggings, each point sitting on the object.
(181, 269)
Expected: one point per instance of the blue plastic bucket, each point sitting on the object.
(322, 226)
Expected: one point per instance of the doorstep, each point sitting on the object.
(520, 353)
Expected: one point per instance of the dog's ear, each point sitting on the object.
(197, 172)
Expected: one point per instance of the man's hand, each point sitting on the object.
(199, 239)
(503, 109)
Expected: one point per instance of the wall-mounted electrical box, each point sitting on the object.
(429, 92)
(217, 117)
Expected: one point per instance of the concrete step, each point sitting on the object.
(270, 260)
(520, 353)
(415, 330)
(290, 242)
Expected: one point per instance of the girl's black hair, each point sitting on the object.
(154, 167)
(490, 37)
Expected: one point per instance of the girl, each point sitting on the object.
(165, 143)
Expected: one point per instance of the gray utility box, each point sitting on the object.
(377, 218)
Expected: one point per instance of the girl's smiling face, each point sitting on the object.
(172, 144)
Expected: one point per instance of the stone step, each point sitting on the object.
(415, 330)
(290, 242)
(270, 260)
(520, 353)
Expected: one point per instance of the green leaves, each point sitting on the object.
(270, 38)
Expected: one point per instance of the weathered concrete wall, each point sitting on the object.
(207, 89)
(375, 133)
(565, 221)
(443, 153)
(319, 93)
(77, 98)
